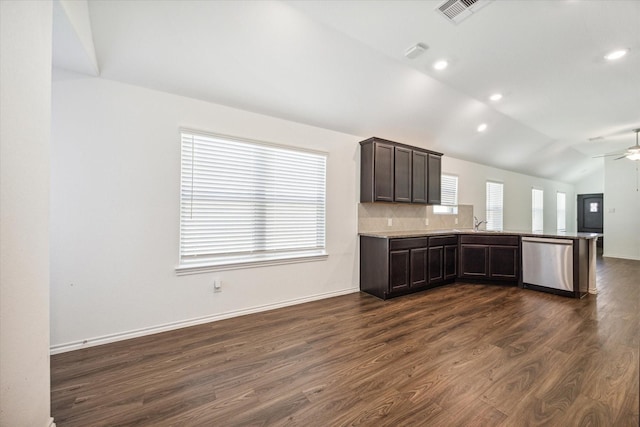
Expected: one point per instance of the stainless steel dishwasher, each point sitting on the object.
(548, 262)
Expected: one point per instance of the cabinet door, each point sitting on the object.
(420, 174)
(474, 261)
(450, 261)
(399, 270)
(402, 175)
(383, 172)
(434, 179)
(503, 262)
(418, 267)
(436, 263)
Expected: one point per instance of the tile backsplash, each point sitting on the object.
(375, 217)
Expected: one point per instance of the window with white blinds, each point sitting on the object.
(448, 195)
(561, 209)
(245, 202)
(537, 210)
(494, 205)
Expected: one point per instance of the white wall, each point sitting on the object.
(472, 178)
(590, 184)
(622, 209)
(114, 210)
(25, 111)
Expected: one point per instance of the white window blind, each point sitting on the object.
(537, 210)
(561, 208)
(246, 202)
(494, 205)
(448, 195)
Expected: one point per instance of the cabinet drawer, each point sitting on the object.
(443, 240)
(484, 239)
(409, 243)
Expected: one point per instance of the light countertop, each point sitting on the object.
(426, 233)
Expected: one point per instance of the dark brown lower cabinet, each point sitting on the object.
(503, 262)
(398, 270)
(490, 257)
(450, 262)
(419, 267)
(436, 264)
(443, 253)
(474, 261)
(392, 267)
(408, 269)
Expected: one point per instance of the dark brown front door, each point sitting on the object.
(590, 214)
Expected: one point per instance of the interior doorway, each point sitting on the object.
(590, 214)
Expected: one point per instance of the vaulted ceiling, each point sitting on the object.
(341, 65)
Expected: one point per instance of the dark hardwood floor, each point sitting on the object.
(461, 355)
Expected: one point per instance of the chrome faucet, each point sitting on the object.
(477, 223)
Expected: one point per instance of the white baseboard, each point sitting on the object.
(105, 339)
(621, 257)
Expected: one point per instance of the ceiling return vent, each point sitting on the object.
(456, 11)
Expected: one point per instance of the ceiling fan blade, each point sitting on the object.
(621, 157)
(605, 155)
(618, 133)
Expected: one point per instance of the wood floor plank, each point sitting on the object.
(518, 375)
(460, 355)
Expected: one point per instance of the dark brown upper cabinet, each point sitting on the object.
(402, 175)
(376, 172)
(435, 179)
(394, 172)
(420, 177)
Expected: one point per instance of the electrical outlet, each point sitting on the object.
(426, 221)
(217, 285)
(389, 222)
(456, 221)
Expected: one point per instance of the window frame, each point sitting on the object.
(561, 213)
(257, 255)
(447, 208)
(488, 216)
(535, 209)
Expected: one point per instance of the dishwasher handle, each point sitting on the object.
(547, 241)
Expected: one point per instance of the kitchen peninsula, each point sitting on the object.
(395, 263)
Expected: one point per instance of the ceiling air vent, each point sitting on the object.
(456, 11)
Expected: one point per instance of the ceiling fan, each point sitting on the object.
(632, 153)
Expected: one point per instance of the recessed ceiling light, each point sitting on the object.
(440, 65)
(482, 127)
(616, 54)
(496, 97)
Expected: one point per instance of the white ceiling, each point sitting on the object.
(340, 65)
